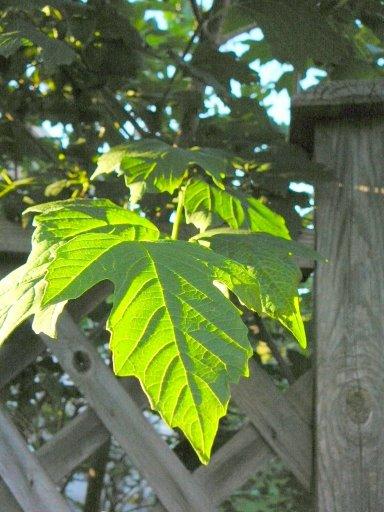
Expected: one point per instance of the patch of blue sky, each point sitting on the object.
(43, 88)
(104, 148)
(174, 125)
(57, 131)
(306, 188)
(170, 71)
(30, 70)
(213, 104)
(158, 16)
(277, 103)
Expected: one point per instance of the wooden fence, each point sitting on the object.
(278, 423)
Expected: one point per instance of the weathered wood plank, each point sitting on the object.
(18, 353)
(81, 437)
(307, 238)
(120, 414)
(75, 443)
(349, 317)
(20, 470)
(277, 421)
(247, 452)
(25, 346)
(230, 467)
(8, 502)
(342, 99)
(352, 93)
(13, 238)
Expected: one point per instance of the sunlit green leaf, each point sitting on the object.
(203, 201)
(21, 291)
(272, 261)
(161, 165)
(170, 326)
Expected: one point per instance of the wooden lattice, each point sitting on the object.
(277, 424)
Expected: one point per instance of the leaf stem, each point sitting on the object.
(179, 214)
(220, 231)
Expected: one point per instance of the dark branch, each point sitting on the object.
(196, 11)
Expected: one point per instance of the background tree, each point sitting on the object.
(104, 72)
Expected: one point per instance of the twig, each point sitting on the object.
(196, 11)
(212, 26)
(178, 67)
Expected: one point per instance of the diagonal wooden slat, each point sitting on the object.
(14, 357)
(283, 424)
(21, 471)
(81, 437)
(247, 452)
(230, 467)
(282, 427)
(165, 473)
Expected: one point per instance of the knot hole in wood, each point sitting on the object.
(359, 405)
(81, 361)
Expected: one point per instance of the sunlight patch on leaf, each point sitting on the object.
(163, 166)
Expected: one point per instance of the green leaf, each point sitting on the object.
(296, 31)
(9, 43)
(262, 218)
(202, 200)
(285, 163)
(271, 260)
(54, 51)
(160, 165)
(221, 67)
(62, 220)
(170, 325)
(21, 291)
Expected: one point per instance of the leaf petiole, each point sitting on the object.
(179, 214)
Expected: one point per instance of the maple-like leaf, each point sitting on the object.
(272, 261)
(21, 291)
(160, 165)
(204, 200)
(170, 325)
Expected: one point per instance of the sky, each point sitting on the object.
(277, 103)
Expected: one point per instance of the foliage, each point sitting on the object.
(186, 342)
(273, 489)
(185, 114)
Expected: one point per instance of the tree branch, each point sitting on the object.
(211, 32)
(196, 11)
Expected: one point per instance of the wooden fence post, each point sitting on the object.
(342, 125)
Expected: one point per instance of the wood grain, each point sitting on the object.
(330, 94)
(281, 426)
(349, 317)
(19, 468)
(13, 238)
(339, 99)
(230, 467)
